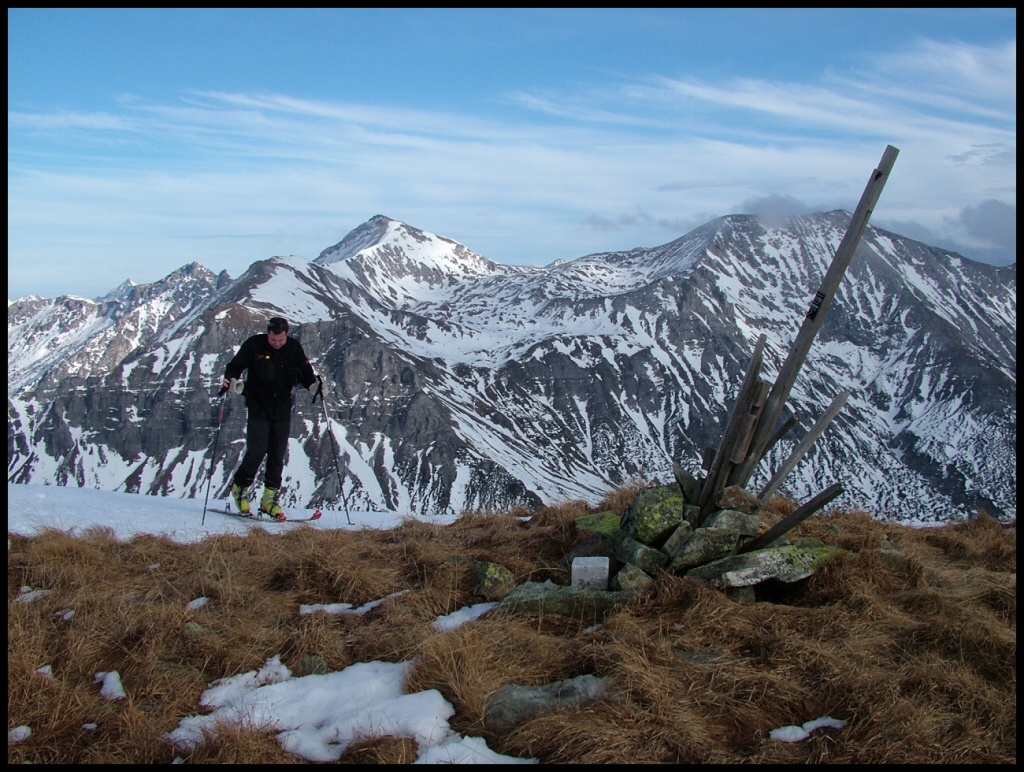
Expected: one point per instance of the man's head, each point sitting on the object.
(277, 332)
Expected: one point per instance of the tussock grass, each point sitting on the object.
(909, 636)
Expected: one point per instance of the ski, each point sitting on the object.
(315, 516)
(263, 519)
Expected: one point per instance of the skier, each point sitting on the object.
(276, 364)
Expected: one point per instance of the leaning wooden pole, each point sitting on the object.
(815, 316)
(805, 444)
(721, 464)
(791, 521)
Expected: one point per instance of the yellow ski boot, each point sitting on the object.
(269, 505)
(241, 501)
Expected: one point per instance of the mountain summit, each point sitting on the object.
(455, 382)
(401, 265)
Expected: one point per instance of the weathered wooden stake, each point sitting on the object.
(790, 522)
(760, 394)
(720, 464)
(804, 446)
(815, 316)
(784, 428)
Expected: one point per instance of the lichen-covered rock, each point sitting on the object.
(646, 558)
(542, 597)
(653, 514)
(633, 578)
(704, 545)
(606, 522)
(494, 582)
(786, 564)
(313, 664)
(690, 513)
(747, 523)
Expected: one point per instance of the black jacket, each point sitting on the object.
(273, 373)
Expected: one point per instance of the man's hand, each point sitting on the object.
(317, 389)
(236, 385)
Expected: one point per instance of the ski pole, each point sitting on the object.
(216, 440)
(337, 463)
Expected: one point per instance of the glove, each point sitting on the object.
(317, 389)
(234, 384)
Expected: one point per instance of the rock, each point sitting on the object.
(689, 486)
(313, 664)
(741, 594)
(646, 558)
(746, 523)
(593, 545)
(196, 630)
(653, 514)
(606, 522)
(787, 564)
(807, 541)
(690, 513)
(632, 578)
(677, 540)
(702, 657)
(703, 545)
(543, 597)
(889, 552)
(832, 528)
(735, 497)
(494, 582)
(513, 704)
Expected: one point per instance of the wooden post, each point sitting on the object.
(707, 458)
(804, 446)
(790, 522)
(720, 464)
(784, 428)
(816, 314)
(760, 394)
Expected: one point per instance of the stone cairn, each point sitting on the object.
(619, 557)
(660, 531)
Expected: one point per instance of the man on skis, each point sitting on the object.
(276, 364)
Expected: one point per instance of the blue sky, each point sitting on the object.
(142, 140)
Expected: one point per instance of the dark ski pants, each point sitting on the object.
(264, 438)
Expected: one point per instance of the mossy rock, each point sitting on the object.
(606, 522)
(494, 581)
(786, 564)
(654, 514)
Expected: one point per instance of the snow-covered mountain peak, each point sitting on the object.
(120, 292)
(401, 265)
(369, 234)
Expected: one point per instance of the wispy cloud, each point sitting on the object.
(538, 176)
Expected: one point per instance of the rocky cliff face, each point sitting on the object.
(455, 382)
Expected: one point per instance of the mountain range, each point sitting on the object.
(454, 382)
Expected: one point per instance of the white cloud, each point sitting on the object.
(230, 178)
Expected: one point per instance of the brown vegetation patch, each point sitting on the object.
(909, 636)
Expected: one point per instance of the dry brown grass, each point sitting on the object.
(914, 648)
